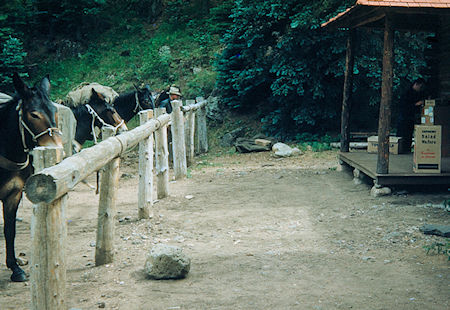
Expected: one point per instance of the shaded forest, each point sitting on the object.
(267, 58)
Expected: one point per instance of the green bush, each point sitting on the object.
(279, 63)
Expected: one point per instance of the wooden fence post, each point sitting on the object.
(48, 240)
(109, 180)
(202, 136)
(67, 124)
(190, 152)
(178, 141)
(145, 194)
(162, 158)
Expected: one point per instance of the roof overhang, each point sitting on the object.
(406, 15)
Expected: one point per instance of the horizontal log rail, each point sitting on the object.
(47, 189)
(194, 107)
(51, 183)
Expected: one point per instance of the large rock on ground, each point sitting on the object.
(229, 138)
(438, 230)
(282, 150)
(167, 262)
(214, 111)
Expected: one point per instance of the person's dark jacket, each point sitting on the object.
(409, 114)
(166, 104)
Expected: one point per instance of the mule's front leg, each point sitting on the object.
(9, 215)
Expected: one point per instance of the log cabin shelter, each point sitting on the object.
(394, 15)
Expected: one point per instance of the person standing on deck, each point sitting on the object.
(409, 111)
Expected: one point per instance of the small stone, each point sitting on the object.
(21, 261)
(19, 219)
(296, 151)
(101, 304)
(189, 197)
(378, 192)
(92, 244)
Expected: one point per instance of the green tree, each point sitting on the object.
(279, 63)
(12, 57)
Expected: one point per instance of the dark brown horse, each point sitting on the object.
(130, 103)
(96, 113)
(27, 120)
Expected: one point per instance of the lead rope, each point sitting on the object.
(138, 106)
(96, 116)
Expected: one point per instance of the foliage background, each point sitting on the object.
(266, 58)
(280, 64)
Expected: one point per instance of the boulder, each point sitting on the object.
(213, 110)
(438, 230)
(282, 150)
(229, 138)
(167, 262)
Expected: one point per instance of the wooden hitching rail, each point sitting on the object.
(47, 189)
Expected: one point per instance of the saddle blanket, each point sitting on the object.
(82, 94)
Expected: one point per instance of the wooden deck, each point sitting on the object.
(400, 169)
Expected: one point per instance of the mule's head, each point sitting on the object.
(39, 114)
(145, 97)
(106, 112)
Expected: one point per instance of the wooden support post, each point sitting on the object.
(109, 181)
(384, 120)
(202, 135)
(162, 158)
(187, 128)
(145, 194)
(48, 241)
(346, 99)
(67, 124)
(190, 152)
(178, 141)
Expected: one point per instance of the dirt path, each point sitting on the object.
(262, 233)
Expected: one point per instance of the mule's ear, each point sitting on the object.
(20, 86)
(94, 93)
(45, 84)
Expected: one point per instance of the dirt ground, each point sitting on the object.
(262, 233)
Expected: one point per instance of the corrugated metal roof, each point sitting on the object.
(407, 3)
(403, 4)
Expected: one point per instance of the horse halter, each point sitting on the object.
(96, 116)
(23, 126)
(138, 107)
